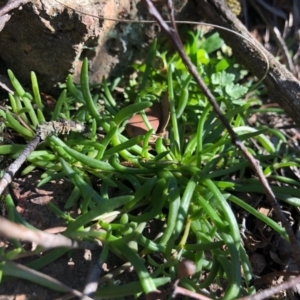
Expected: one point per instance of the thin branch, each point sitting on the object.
(182, 291)
(279, 39)
(42, 132)
(283, 47)
(47, 240)
(266, 294)
(174, 37)
(16, 165)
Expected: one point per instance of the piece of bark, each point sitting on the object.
(282, 86)
(51, 39)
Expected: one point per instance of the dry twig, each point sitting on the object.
(178, 290)
(47, 240)
(265, 294)
(15, 166)
(43, 130)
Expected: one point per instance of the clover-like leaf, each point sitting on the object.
(222, 78)
(235, 91)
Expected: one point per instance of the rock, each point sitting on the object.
(51, 39)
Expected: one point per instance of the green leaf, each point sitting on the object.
(222, 78)
(222, 65)
(202, 57)
(235, 91)
(213, 43)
